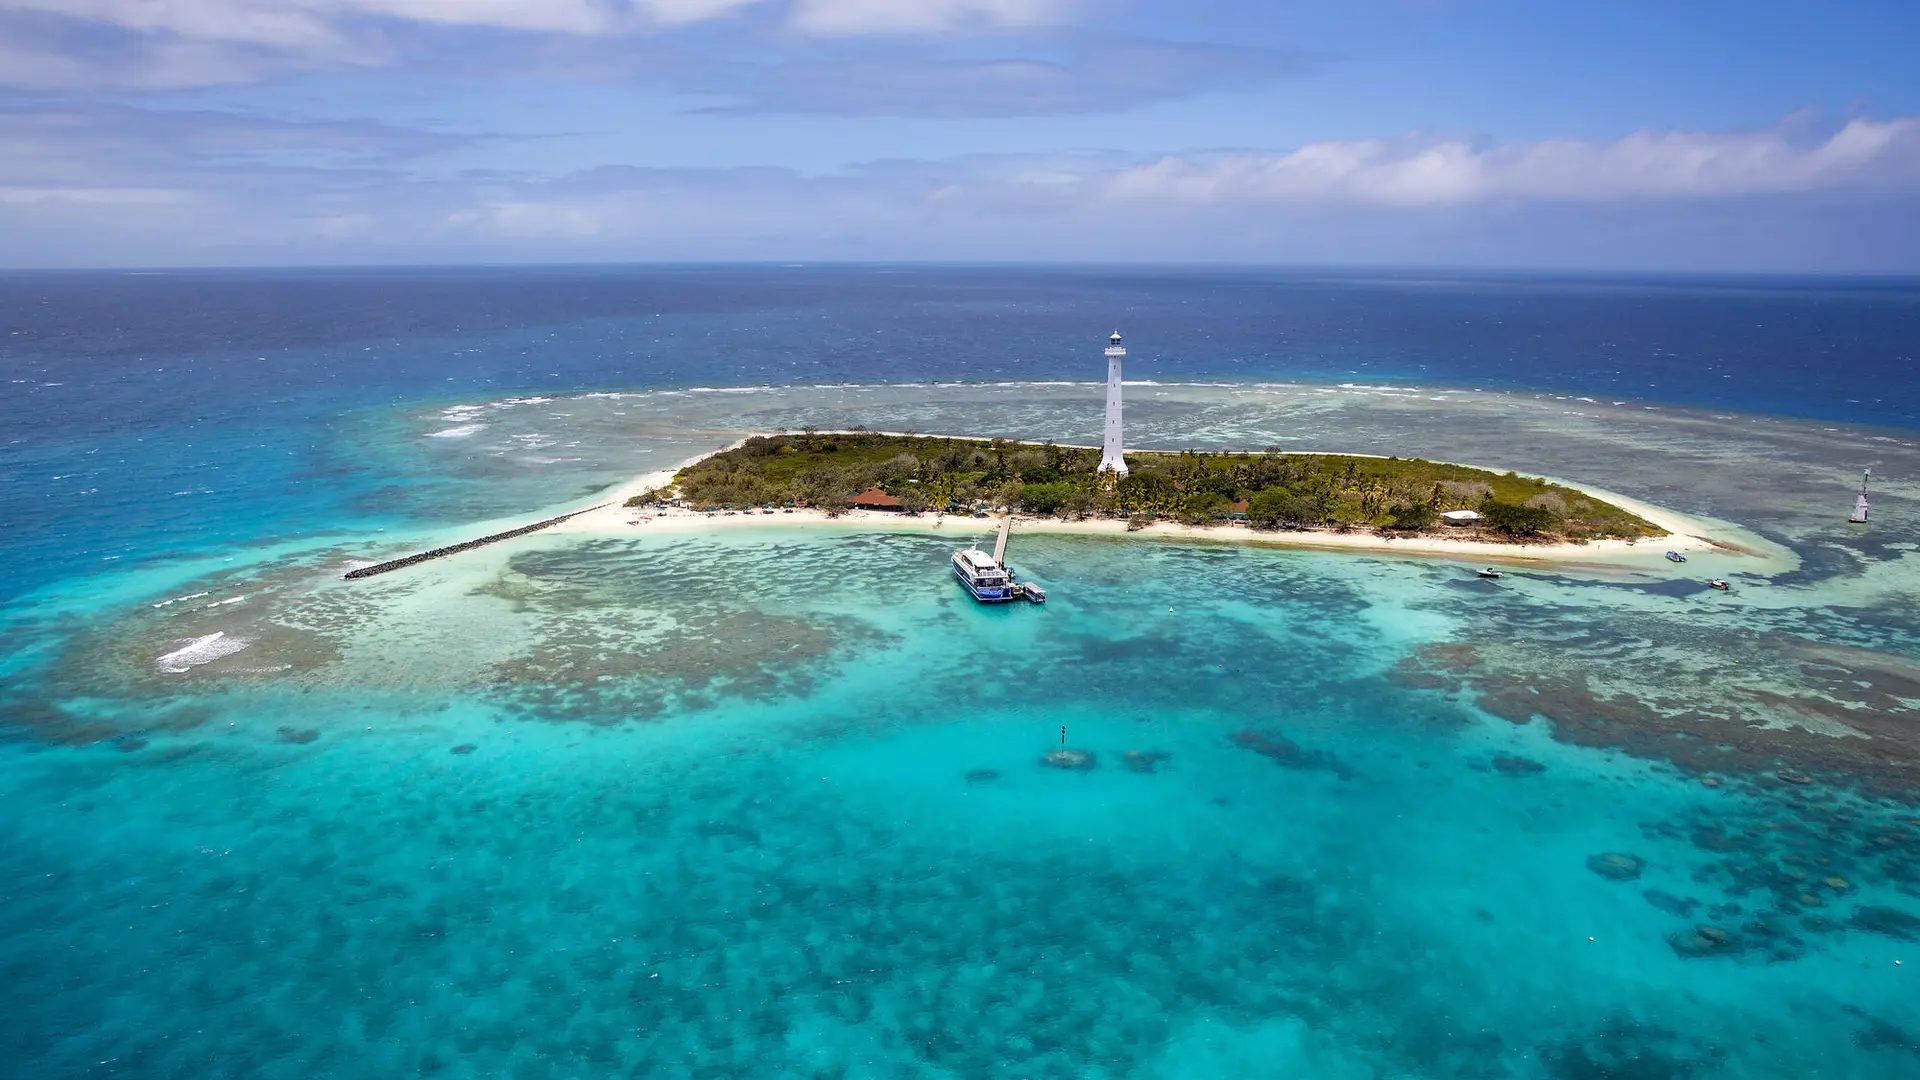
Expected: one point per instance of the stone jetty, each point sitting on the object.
(455, 549)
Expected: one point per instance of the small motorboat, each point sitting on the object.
(1034, 593)
(1674, 556)
(1719, 583)
(1490, 574)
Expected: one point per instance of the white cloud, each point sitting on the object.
(920, 16)
(320, 24)
(1646, 165)
(42, 196)
(293, 24)
(167, 44)
(116, 185)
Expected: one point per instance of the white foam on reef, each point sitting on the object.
(460, 432)
(177, 599)
(200, 650)
(1370, 386)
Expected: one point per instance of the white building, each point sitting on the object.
(1111, 456)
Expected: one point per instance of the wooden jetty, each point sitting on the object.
(1031, 591)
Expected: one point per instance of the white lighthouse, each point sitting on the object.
(1110, 454)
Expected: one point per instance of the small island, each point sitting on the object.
(834, 472)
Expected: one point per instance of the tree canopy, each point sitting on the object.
(1272, 490)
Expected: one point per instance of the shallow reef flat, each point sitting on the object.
(785, 802)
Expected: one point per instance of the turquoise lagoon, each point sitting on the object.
(769, 803)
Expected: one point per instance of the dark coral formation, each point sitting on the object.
(1288, 754)
(1892, 922)
(1069, 759)
(1616, 865)
(1704, 722)
(1682, 906)
(1144, 761)
(1791, 863)
(299, 736)
(1624, 1049)
(1882, 1034)
(1704, 940)
(623, 638)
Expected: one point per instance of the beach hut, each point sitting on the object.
(875, 499)
(1460, 517)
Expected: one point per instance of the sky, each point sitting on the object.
(1768, 136)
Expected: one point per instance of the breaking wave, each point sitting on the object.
(200, 650)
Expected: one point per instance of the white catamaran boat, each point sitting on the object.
(987, 580)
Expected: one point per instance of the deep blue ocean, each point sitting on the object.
(770, 804)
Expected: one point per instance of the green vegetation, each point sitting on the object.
(1271, 490)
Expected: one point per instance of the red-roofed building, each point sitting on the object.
(875, 499)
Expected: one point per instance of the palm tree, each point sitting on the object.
(943, 489)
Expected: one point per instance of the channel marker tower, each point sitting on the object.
(1110, 454)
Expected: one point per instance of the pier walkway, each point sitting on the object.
(455, 549)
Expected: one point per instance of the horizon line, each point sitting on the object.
(1340, 270)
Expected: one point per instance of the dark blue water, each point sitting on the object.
(129, 394)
